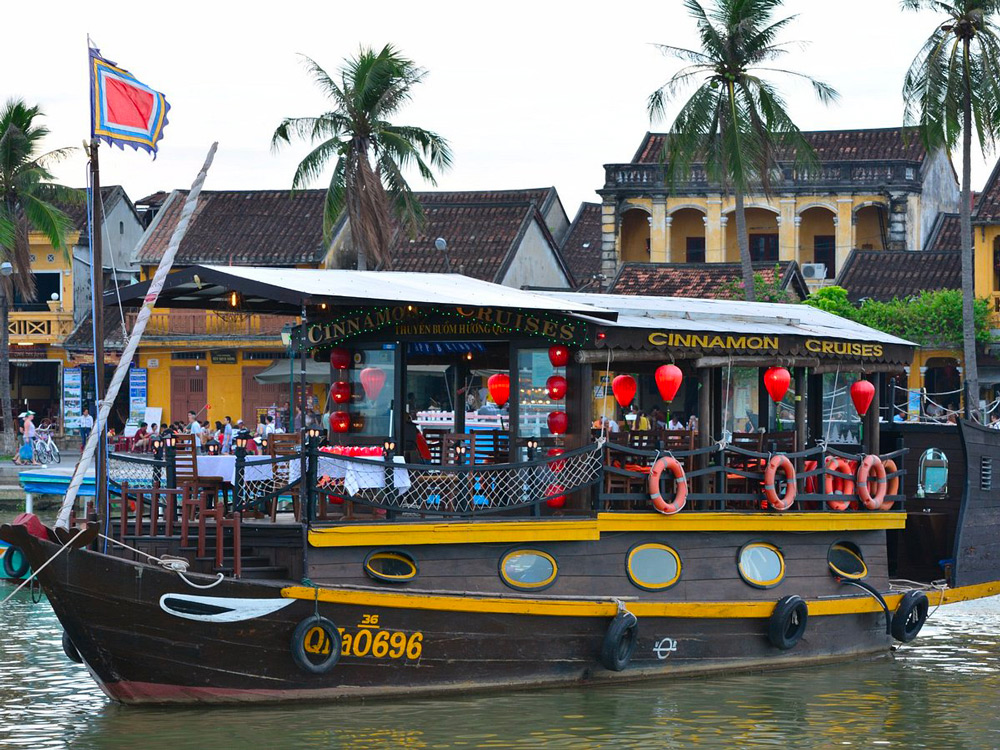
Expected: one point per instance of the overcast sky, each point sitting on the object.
(528, 93)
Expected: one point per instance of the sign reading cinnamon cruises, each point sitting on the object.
(408, 321)
(770, 344)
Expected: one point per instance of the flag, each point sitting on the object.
(123, 110)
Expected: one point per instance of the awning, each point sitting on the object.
(282, 372)
(286, 290)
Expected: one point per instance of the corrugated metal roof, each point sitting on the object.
(727, 316)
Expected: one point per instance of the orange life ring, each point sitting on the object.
(871, 464)
(892, 486)
(680, 485)
(780, 461)
(837, 485)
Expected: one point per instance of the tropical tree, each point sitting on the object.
(951, 90)
(735, 122)
(369, 151)
(27, 198)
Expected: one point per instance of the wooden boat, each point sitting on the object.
(527, 559)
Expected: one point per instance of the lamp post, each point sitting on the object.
(286, 341)
(241, 440)
(157, 444)
(442, 246)
(312, 435)
(170, 442)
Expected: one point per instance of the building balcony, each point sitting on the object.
(39, 327)
(646, 179)
(203, 325)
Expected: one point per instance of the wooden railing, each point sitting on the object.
(39, 327)
(188, 323)
(840, 174)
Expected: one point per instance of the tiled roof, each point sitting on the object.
(77, 212)
(243, 227)
(153, 200)
(82, 337)
(987, 208)
(701, 280)
(582, 246)
(945, 234)
(876, 144)
(540, 197)
(885, 275)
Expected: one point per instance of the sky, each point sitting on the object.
(528, 94)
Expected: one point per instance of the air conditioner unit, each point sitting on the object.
(814, 271)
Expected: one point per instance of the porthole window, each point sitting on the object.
(653, 567)
(845, 561)
(761, 565)
(528, 569)
(391, 565)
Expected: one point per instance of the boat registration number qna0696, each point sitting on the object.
(370, 640)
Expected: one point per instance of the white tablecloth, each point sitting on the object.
(356, 476)
(225, 467)
(359, 476)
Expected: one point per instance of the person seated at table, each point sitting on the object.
(142, 439)
(676, 422)
(641, 423)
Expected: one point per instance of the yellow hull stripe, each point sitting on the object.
(510, 532)
(583, 608)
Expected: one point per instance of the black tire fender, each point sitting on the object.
(12, 569)
(787, 623)
(910, 616)
(316, 645)
(619, 641)
(69, 649)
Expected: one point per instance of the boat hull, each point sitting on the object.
(146, 638)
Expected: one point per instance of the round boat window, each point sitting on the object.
(653, 567)
(391, 565)
(528, 569)
(761, 565)
(845, 561)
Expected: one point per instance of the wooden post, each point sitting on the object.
(705, 422)
(97, 267)
(872, 426)
(763, 403)
(800, 410)
(303, 463)
(814, 411)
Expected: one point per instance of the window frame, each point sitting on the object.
(517, 586)
(856, 551)
(634, 580)
(398, 554)
(752, 582)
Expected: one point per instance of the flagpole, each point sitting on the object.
(97, 267)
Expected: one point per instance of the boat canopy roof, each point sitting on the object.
(285, 290)
(693, 328)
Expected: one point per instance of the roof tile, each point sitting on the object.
(700, 280)
(889, 274)
(582, 246)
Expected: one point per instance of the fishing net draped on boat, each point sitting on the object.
(468, 489)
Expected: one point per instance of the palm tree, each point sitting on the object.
(370, 152)
(951, 89)
(735, 122)
(26, 203)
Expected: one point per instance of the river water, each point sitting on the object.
(943, 690)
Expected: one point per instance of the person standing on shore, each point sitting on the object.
(86, 425)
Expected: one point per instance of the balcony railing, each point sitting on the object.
(39, 327)
(841, 174)
(210, 325)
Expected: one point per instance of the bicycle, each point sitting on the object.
(46, 450)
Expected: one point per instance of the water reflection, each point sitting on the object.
(942, 690)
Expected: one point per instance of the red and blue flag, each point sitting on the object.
(123, 110)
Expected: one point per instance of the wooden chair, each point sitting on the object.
(186, 447)
(433, 437)
(450, 441)
(751, 441)
(780, 442)
(679, 440)
(643, 440)
(281, 445)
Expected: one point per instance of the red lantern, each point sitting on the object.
(340, 421)
(556, 387)
(862, 394)
(776, 381)
(372, 380)
(340, 358)
(499, 386)
(555, 498)
(558, 356)
(558, 422)
(556, 466)
(668, 381)
(340, 392)
(623, 387)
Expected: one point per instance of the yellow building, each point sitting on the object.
(872, 189)
(42, 330)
